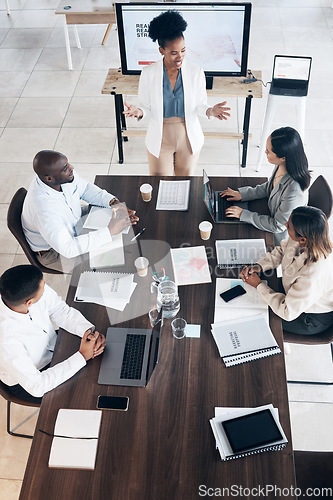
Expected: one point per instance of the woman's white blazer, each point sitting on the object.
(151, 103)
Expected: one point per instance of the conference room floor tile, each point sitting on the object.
(90, 112)
(79, 122)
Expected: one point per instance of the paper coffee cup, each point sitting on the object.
(146, 191)
(205, 229)
(141, 264)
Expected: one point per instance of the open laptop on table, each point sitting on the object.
(217, 204)
(291, 76)
(130, 355)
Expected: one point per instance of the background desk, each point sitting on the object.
(163, 448)
(85, 12)
(118, 84)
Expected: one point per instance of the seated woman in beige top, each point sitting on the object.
(305, 297)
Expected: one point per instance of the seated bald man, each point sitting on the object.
(52, 209)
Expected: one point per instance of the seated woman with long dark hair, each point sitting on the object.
(285, 190)
(305, 297)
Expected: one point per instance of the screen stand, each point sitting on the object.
(209, 82)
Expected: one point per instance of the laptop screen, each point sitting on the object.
(208, 195)
(292, 68)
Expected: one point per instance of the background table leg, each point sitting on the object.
(246, 125)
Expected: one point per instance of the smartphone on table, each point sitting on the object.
(235, 291)
(119, 403)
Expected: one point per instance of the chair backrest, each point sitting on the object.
(320, 195)
(313, 469)
(325, 337)
(6, 394)
(15, 226)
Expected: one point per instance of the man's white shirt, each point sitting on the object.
(49, 217)
(27, 342)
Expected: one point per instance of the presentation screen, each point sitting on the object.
(216, 37)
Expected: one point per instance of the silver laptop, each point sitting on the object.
(291, 75)
(217, 205)
(130, 355)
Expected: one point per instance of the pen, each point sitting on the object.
(139, 234)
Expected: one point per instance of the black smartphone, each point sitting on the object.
(112, 403)
(234, 292)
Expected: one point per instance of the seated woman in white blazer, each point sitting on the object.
(305, 297)
(172, 93)
(286, 189)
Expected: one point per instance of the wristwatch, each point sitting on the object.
(113, 201)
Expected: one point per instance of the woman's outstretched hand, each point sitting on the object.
(219, 111)
(132, 111)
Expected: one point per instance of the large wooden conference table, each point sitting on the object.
(163, 448)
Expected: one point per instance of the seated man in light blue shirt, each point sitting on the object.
(52, 209)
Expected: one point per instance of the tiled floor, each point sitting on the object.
(45, 106)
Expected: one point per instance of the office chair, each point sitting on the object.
(325, 337)
(313, 469)
(320, 195)
(15, 226)
(11, 398)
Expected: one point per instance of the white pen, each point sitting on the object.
(139, 234)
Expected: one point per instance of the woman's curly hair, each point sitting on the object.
(167, 27)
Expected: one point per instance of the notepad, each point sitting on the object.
(173, 195)
(77, 446)
(109, 255)
(244, 340)
(234, 253)
(99, 217)
(249, 304)
(240, 432)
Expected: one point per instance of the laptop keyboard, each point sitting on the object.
(133, 356)
(223, 204)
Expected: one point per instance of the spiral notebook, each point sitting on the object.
(243, 340)
(236, 253)
(240, 432)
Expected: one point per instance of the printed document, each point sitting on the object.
(173, 195)
(234, 253)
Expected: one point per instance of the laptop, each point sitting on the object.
(291, 76)
(217, 204)
(130, 355)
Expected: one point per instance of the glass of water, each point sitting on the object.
(178, 326)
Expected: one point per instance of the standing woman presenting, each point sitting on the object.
(172, 93)
(285, 190)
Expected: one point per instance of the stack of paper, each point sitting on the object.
(243, 340)
(76, 438)
(190, 265)
(249, 304)
(234, 253)
(247, 431)
(107, 289)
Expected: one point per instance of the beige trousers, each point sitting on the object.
(53, 260)
(176, 153)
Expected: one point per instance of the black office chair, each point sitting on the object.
(11, 398)
(15, 226)
(320, 195)
(325, 337)
(313, 469)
